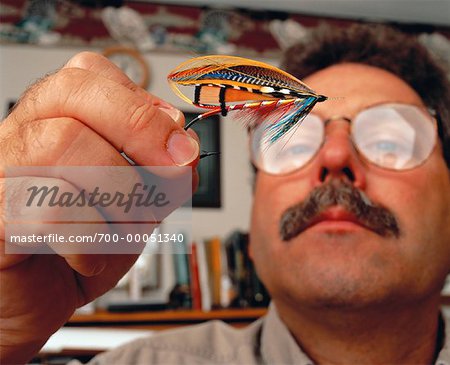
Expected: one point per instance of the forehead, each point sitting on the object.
(352, 87)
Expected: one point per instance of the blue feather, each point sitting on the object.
(300, 109)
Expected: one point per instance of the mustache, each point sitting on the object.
(342, 193)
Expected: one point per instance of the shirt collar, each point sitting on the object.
(280, 347)
(444, 355)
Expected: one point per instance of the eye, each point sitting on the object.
(393, 136)
(387, 146)
(292, 150)
(297, 149)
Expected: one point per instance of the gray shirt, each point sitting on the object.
(266, 341)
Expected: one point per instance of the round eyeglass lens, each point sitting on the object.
(291, 151)
(394, 136)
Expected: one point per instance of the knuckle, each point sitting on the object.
(142, 115)
(70, 79)
(68, 82)
(56, 136)
(73, 83)
(85, 60)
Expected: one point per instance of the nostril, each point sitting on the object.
(346, 172)
(349, 173)
(323, 174)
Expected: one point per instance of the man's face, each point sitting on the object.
(339, 263)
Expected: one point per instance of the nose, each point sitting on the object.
(338, 157)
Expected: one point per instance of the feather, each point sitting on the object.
(239, 74)
(255, 90)
(277, 119)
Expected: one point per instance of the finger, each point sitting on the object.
(25, 230)
(32, 229)
(56, 141)
(130, 123)
(67, 142)
(100, 65)
(194, 135)
(6, 261)
(116, 266)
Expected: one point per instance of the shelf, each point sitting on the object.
(165, 319)
(172, 318)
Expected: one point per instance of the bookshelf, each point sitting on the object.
(160, 320)
(173, 318)
(86, 335)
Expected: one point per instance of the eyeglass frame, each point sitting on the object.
(432, 113)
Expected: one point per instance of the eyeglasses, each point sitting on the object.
(391, 136)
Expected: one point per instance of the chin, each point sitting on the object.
(333, 266)
(344, 300)
(331, 282)
(334, 298)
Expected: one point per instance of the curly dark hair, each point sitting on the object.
(380, 46)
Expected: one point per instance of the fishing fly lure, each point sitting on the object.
(260, 92)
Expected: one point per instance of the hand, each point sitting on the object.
(85, 114)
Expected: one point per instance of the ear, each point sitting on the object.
(254, 176)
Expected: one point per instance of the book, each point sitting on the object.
(203, 274)
(180, 295)
(249, 291)
(195, 279)
(214, 269)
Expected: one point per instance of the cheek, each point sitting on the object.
(420, 200)
(263, 220)
(273, 195)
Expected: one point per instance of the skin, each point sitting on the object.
(83, 115)
(347, 294)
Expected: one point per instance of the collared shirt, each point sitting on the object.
(266, 341)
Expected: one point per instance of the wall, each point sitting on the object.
(21, 65)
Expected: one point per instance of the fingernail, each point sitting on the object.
(175, 114)
(182, 148)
